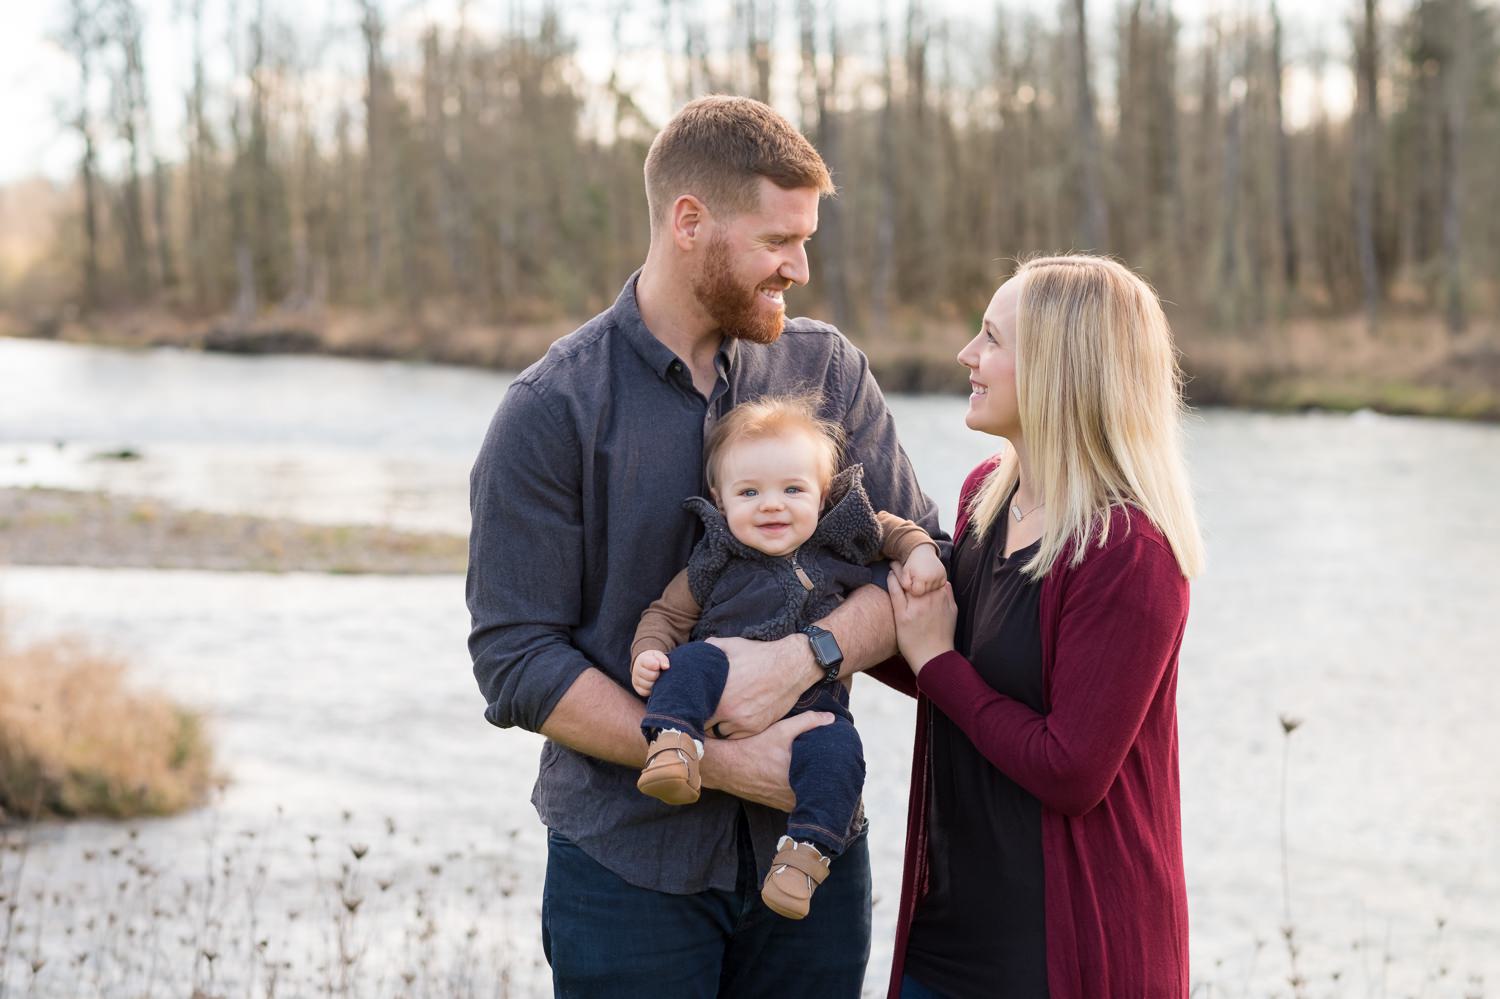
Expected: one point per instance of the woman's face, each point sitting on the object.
(991, 360)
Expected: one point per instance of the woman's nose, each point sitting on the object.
(966, 356)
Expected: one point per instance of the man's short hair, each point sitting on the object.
(718, 147)
(772, 416)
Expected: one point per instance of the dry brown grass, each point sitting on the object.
(76, 741)
(1410, 364)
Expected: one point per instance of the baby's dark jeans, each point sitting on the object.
(828, 762)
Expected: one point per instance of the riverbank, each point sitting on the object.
(101, 530)
(1410, 366)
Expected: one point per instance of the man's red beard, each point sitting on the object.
(734, 309)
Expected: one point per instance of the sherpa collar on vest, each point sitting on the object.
(848, 530)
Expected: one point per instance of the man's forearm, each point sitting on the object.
(865, 630)
(599, 718)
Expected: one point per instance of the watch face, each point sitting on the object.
(826, 648)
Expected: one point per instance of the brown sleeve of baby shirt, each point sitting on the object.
(669, 621)
(899, 538)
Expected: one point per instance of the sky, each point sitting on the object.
(38, 82)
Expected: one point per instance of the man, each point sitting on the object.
(578, 525)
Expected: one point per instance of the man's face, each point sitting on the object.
(751, 259)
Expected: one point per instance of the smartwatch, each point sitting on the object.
(826, 651)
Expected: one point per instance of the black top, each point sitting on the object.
(979, 930)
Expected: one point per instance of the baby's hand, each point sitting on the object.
(923, 571)
(646, 668)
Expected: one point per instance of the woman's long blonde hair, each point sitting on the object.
(1100, 398)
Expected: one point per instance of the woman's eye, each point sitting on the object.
(990, 337)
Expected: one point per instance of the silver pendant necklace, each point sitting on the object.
(1015, 511)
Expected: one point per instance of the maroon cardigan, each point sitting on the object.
(1102, 760)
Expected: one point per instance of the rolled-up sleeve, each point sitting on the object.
(525, 560)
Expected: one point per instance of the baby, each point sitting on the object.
(784, 540)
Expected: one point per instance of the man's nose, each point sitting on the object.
(794, 266)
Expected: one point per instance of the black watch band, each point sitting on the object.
(826, 651)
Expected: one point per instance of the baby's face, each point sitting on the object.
(771, 490)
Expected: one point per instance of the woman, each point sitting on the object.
(1044, 847)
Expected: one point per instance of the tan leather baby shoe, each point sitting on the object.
(796, 871)
(671, 771)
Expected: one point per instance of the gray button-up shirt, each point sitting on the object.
(578, 525)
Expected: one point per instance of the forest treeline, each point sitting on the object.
(484, 175)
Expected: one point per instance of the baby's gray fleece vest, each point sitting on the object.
(748, 594)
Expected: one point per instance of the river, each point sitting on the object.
(1352, 584)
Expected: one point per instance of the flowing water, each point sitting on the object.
(1353, 585)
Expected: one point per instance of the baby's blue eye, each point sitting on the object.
(747, 492)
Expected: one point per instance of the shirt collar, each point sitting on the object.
(657, 355)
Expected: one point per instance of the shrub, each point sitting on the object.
(75, 741)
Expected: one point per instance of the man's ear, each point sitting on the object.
(687, 219)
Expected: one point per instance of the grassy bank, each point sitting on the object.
(75, 741)
(62, 527)
(1411, 365)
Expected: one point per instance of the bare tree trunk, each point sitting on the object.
(128, 110)
(160, 198)
(200, 154)
(1093, 226)
(1366, 125)
(756, 26)
(377, 191)
(1283, 161)
(267, 218)
(244, 261)
(1132, 139)
(1167, 149)
(822, 123)
(1234, 134)
(882, 273)
(1454, 112)
(81, 40)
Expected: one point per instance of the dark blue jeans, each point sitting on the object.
(606, 937)
(828, 763)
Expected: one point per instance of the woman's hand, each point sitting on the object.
(924, 624)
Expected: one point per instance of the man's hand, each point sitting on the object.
(646, 668)
(765, 681)
(755, 768)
